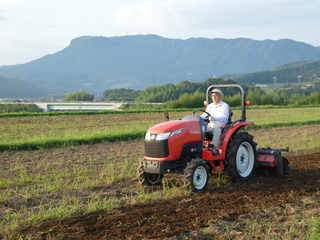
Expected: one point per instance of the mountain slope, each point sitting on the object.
(305, 71)
(95, 64)
(13, 88)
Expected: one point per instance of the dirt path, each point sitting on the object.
(181, 215)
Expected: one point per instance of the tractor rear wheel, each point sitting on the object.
(148, 179)
(196, 175)
(241, 157)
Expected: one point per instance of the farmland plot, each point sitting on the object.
(91, 192)
(43, 132)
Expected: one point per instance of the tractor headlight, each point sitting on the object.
(163, 136)
(148, 136)
(159, 136)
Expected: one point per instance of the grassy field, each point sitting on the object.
(43, 132)
(47, 184)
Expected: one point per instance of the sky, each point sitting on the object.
(31, 29)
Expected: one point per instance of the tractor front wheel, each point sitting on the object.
(148, 179)
(196, 175)
(241, 157)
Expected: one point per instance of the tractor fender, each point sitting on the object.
(231, 131)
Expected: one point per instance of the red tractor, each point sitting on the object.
(184, 147)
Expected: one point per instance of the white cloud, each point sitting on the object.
(207, 17)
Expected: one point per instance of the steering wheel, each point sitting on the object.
(206, 118)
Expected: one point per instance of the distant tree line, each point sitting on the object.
(121, 94)
(79, 96)
(10, 108)
(282, 98)
(171, 92)
(255, 95)
(192, 95)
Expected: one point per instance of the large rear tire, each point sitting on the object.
(241, 161)
(148, 179)
(196, 175)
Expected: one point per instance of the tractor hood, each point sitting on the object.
(175, 125)
(176, 128)
(168, 140)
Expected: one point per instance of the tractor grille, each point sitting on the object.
(156, 149)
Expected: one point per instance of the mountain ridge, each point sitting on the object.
(96, 63)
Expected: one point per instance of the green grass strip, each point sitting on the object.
(106, 112)
(82, 113)
(57, 143)
(288, 124)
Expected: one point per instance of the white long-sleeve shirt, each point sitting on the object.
(219, 112)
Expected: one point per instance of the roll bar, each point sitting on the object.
(243, 96)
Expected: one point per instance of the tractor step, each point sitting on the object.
(218, 169)
(207, 155)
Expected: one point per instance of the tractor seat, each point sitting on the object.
(230, 116)
(228, 125)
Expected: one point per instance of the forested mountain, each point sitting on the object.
(296, 72)
(13, 88)
(95, 64)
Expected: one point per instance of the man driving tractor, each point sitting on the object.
(219, 111)
(185, 146)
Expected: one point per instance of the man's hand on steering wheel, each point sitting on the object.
(207, 119)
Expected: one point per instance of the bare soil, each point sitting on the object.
(265, 197)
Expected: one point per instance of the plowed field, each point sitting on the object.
(273, 200)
